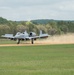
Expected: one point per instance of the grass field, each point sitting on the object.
(37, 60)
(7, 41)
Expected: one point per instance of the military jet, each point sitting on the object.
(25, 36)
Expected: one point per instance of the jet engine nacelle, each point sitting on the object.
(32, 34)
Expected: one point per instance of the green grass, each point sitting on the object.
(7, 41)
(37, 60)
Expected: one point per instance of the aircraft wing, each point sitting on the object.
(44, 36)
(9, 36)
(36, 37)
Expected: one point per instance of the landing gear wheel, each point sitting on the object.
(18, 41)
(32, 41)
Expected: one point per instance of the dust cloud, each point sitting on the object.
(58, 39)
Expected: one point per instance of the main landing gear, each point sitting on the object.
(18, 41)
(32, 41)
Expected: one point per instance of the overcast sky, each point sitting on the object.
(37, 9)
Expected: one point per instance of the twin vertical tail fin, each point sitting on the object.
(40, 32)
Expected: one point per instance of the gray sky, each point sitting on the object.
(37, 9)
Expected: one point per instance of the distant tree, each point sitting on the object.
(71, 27)
(48, 27)
(12, 26)
(41, 27)
(4, 29)
(20, 28)
(64, 28)
(53, 27)
(3, 21)
(30, 26)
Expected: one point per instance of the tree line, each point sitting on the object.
(52, 27)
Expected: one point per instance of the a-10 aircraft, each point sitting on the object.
(25, 36)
